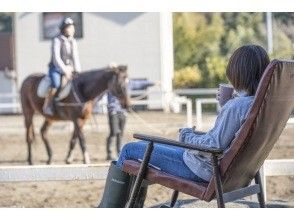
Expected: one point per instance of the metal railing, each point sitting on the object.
(78, 172)
(11, 106)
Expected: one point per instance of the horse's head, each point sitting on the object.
(118, 85)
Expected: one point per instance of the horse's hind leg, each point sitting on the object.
(44, 132)
(29, 135)
(72, 145)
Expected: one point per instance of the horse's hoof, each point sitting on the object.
(68, 161)
(49, 162)
(87, 161)
(30, 163)
(86, 158)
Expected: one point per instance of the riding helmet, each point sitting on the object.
(66, 22)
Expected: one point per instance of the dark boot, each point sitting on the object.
(108, 148)
(48, 103)
(116, 191)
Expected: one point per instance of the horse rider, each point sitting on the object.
(64, 61)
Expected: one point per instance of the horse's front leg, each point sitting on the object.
(72, 145)
(79, 123)
(30, 136)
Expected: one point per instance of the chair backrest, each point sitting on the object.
(270, 111)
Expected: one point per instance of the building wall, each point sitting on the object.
(125, 38)
(7, 94)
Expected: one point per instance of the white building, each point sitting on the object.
(143, 41)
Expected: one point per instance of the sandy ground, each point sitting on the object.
(88, 193)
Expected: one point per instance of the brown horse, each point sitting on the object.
(76, 107)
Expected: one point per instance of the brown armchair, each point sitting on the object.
(233, 171)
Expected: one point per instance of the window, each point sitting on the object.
(52, 20)
(5, 22)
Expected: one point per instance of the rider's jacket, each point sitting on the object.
(64, 51)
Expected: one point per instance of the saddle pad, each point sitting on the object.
(44, 86)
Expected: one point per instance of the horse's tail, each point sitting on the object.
(25, 99)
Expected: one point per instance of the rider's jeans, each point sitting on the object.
(55, 77)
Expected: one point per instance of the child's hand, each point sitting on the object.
(184, 131)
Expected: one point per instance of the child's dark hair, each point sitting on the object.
(246, 67)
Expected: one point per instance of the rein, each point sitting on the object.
(77, 98)
(110, 86)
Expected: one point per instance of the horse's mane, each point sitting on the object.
(88, 75)
(92, 82)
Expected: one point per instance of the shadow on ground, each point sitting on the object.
(195, 203)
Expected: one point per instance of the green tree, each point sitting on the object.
(283, 36)
(207, 40)
(187, 77)
(196, 37)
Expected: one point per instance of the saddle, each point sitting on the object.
(44, 86)
(62, 93)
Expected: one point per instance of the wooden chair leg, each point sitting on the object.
(140, 176)
(218, 183)
(131, 186)
(260, 195)
(174, 198)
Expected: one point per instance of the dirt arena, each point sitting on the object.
(88, 193)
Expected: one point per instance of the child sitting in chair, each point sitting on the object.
(244, 71)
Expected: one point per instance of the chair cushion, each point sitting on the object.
(195, 189)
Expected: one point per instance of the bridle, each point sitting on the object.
(115, 87)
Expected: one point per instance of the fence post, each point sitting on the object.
(198, 114)
(263, 181)
(189, 113)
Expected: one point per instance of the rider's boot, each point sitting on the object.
(48, 104)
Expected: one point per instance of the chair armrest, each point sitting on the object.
(215, 151)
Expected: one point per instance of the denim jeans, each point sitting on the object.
(168, 159)
(55, 77)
